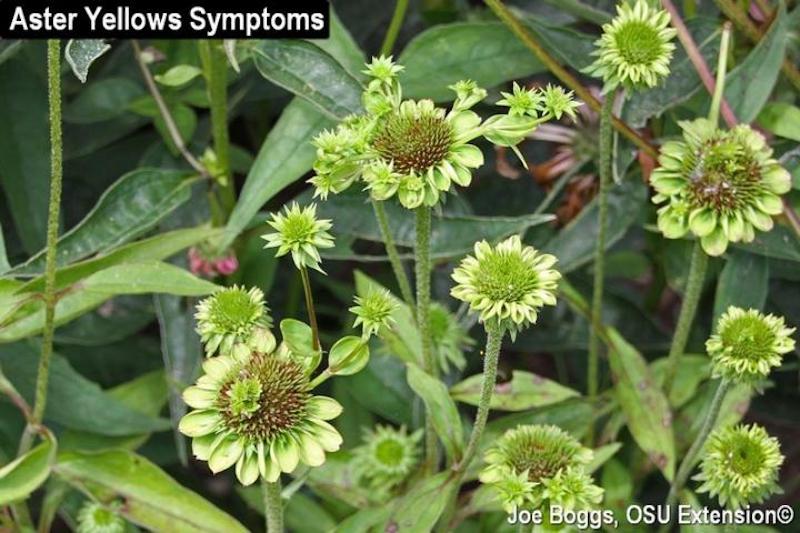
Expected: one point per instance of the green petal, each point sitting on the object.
(778, 180)
(671, 225)
(284, 452)
(702, 222)
(199, 423)
(226, 454)
(247, 468)
(468, 155)
(201, 446)
(327, 436)
(311, 453)
(324, 408)
(770, 204)
(198, 398)
(761, 221)
(715, 243)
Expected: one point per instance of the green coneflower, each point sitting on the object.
(537, 454)
(572, 488)
(509, 282)
(414, 150)
(234, 315)
(448, 337)
(635, 49)
(373, 312)
(387, 457)
(297, 230)
(255, 411)
(96, 518)
(740, 466)
(721, 185)
(748, 344)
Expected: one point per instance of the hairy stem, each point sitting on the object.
(273, 506)
(526, 36)
(215, 68)
(606, 148)
(394, 27)
(690, 458)
(394, 256)
(717, 98)
(312, 314)
(691, 297)
(423, 274)
(163, 110)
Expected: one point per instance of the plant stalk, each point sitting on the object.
(691, 297)
(423, 274)
(273, 506)
(690, 458)
(526, 36)
(722, 62)
(606, 149)
(312, 314)
(394, 27)
(394, 256)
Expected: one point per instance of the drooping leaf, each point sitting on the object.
(445, 54)
(132, 205)
(73, 401)
(440, 407)
(311, 73)
(525, 391)
(26, 473)
(749, 85)
(645, 407)
(744, 282)
(150, 497)
(81, 53)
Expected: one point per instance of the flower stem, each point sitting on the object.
(312, 314)
(719, 89)
(423, 274)
(394, 256)
(606, 149)
(273, 506)
(553, 65)
(494, 339)
(215, 67)
(691, 297)
(394, 27)
(690, 458)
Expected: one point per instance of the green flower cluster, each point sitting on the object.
(414, 150)
(297, 230)
(95, 517)
(373, 312)
(387, 457)
(721, 185)
(232, 316)
(534, 464)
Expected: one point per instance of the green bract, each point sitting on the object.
(373, 312)
(234, 315)
(386, 458)
(508, 282)
(635, 49)
(533, 463)
(97, 518)
(740, 465)
(748, 344)
(721, 185)
(414, 150)
(254, 410)
(298, 231)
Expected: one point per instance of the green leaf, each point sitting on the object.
(442, 409)
(782, 119)
(603, 454)
(749, 85)
(524, 391)
(287, 154)
(178, 75)
(689, 419)
(780, 243)
(693, 370)
(382, 388)
(744, 282)
(311, 73)
(341, 46)
(444, 54)
(25, 474)
(645, 407)
(102, 100)
(81, 53)
(151, 498)
(574, 245)
(571, 47)
(24, 145)
(4, 264)
(423, 504)
(73, 401)
(131, 206)
(348, 356)
(298, 336)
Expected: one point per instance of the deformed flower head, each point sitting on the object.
(383, 68)
(721, 185)
(508, 282)
(373, 311)
(572, 488)
(449, 338)
(234, 315)
(387, 457)
(256, 412)
(635, 49)
(521, 101)
(748, 344)
(300, 232)
(740, 465)
(557, 102)
(97, 518)
(535, 462)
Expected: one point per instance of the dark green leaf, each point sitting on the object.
(103, 100)
(744, 282)
(151, 498)
(524, 391)
(571, 47)
(780, 243)
(382, 389)
(81, 53)
(782, 119)
(440, 407)
(423, 504)
(311, 73)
